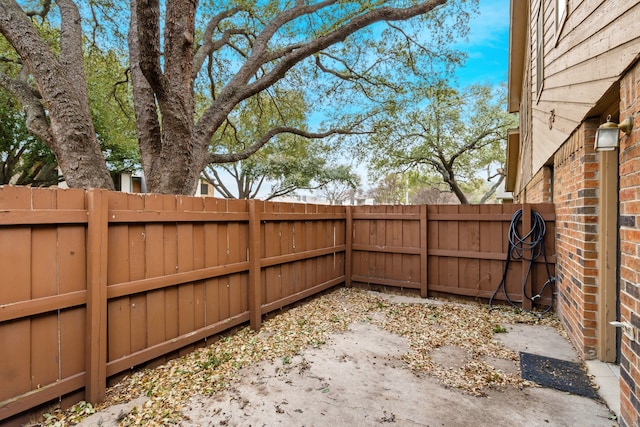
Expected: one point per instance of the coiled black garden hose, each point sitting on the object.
(533, 243)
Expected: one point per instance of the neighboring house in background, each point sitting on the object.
(135, 183)
(572, 64)
(297, 198)
(504, 196)
(130, 182)
(204, 189)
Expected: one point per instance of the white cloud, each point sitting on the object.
(490, 26)
(487, 45)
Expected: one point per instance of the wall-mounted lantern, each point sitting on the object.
(608, 134)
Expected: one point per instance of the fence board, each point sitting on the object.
(298, 246)
(360, 229)
(223, 283)
(210, 253)
(170, 247)
(235, 284)
(212, 304)
(400, 263)
(377, 238)
(118, 309)
(137, 258)
(199, 292)
(96, 307)
(72, 341)
(450, 236)
(154, 267)
(411, 232)
(15, 286)
(286, 246)
(272, 248)
(44, 329)
(255, 253)
(242, 256)
(186, 306)
(314, 238)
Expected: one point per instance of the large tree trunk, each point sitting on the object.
(171, 159)
(448, 175)
(63, 88)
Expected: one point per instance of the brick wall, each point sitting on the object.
(575, 196)
(630, 248)
(575, 183)
(539, 189)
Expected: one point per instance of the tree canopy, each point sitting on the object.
(457, 135)
(286, 163)
(192, 64)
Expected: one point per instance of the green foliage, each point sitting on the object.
(339, 184)
(287, 162)
(111, 104)
(454, 135)
(214, 360)
(24, 160)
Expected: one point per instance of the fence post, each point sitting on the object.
(424, 255)
(96, 321)
(526, 274)
(349, 244)
(255, 287)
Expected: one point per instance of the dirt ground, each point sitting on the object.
(359, 378)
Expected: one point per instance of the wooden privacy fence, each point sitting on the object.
(447, 249)
(93, 282)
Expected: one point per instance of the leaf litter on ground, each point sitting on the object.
(286, 333)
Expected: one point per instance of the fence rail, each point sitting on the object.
(94, 283)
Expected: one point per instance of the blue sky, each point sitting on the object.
(487, 45)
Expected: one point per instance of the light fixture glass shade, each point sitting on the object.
(607, 138)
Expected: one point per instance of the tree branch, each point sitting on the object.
(217, 183)
(208, 44)
(71, 53)
(336, 36)
(148, 125)
(353, 76)
(239, 87)
(37, 122)
(243, 154)
(255, 192)
(42, 13)
(476, 142)
(146, 15)
(493, 189)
